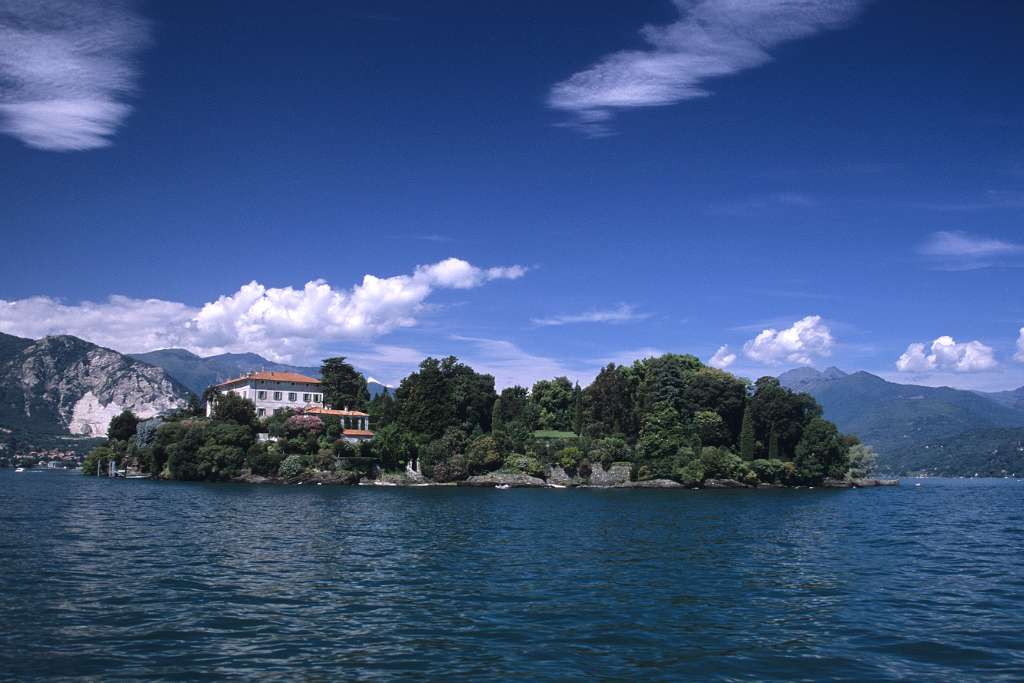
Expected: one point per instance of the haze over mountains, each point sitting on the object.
(198, 372)
(916, 428)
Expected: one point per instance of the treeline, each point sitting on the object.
(669, 417)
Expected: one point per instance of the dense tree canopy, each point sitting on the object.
(342, 385)
(665, 417)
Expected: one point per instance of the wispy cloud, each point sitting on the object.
(711, 39)
(283, 323)
(722, 358)
(755, 205)
(991, 199)
(958, 250)
(620, 314)
(65, 69)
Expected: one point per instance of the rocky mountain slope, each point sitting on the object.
(65, 385)
(906, 423)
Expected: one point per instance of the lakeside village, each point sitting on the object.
(668, 421)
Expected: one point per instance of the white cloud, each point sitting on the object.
(800, 343)
(711, 39)
(285, 324)
(65, 66)
(723, 358)
(958, 250)
(947, 354)
(620, 314)
(1019, 356)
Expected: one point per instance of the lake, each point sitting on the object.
(139, 580)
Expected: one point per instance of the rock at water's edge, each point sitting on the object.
(506, 479)
(616, 474)
(651, 484)
(724, 484)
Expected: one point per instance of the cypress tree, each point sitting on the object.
(577, 422)
(773, 445)
(497, 419)
(747, 435)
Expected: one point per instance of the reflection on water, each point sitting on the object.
(147, 580)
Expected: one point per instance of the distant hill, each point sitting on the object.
(992, 452)
(198, 372)
(902, 419)
(64, 385)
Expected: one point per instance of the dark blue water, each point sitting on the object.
(146, 580)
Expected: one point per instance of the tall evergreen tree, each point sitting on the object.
(773, 445)
(747, 441)
(577, 417)
(497, 419)
(343, 386)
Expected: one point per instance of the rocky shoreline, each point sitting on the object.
(617, 476)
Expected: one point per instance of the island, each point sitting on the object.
(661, 422)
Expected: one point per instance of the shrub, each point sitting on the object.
(569, 457)
(770, 471)
(690, 474)
(524, 464)
(483, 455)
(454, 468)
(721, 464)
(292, 466)
(303, 424)
(262, 460)
(583, 469)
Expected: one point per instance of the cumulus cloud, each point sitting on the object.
(723, 358)
(284, 323)
(947, 354)
(958, 250)
(620, 314)
(1019, 356)
(65, 68)
(800, 343)
(711, 39)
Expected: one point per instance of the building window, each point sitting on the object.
(260, 412)
(293, 397)
(261, 395)
(317, 398)
(306, 398)
(277, 395)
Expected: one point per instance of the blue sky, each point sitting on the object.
(833, 183)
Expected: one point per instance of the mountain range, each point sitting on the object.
(199, 372)
(911, 425)
(58, 389)
(65, 385)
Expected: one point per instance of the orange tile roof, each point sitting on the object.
(340, 413)
(357, 432)
(293, 377)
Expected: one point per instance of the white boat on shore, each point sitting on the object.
(19, 469)
(502, 487)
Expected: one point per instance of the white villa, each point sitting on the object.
(271, 392)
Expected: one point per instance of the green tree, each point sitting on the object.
(862, 461)
(342, 385)
(577, 413)
(554, 401)
(711, 428)
(383, 410)
(231, 407)
(482, 455)
(609, 403)
(123, 426)
(820, 452)
(747, 439)
(776, 408)
(497, 417)
(773, 445)
(292, 466)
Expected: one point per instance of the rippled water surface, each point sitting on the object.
(146, 580)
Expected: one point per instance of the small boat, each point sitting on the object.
(502, 487)
(556, 486)
(20, 469)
